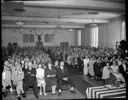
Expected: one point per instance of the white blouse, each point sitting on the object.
(40, 73)
(115, 68)
(106, 73)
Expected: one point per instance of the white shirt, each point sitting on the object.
(124, 66)
(40, 73)
(115, 68)
(106, 73)
(86, 61)
(4, 75)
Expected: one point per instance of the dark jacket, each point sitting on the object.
(97, 69)
(29, 75)
(61, 74)
(121, 70)
(80, 62)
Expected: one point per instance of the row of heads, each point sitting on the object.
(30, 64)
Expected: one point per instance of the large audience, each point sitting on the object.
(41, 66)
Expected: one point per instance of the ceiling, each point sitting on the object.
(64, 13)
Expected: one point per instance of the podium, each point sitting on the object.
(39, 44)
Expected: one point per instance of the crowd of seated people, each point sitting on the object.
(38, 67)
(32, 67)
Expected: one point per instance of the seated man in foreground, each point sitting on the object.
(63, 76)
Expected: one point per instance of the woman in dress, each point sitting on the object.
(40, 75)
(51, 76)
(116, 73)
(6, 76)
(106, 72)
(85, 70)
(90, 67)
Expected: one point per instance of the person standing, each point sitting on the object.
(90, 68)
(80, 63)
(85, 69)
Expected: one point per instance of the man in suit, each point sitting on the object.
(97, 69)
(80, 64)
(30, 80)
(122, 68)
(63, 76)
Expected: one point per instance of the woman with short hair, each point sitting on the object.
(51, 76)
(115, 71)
(40, 75)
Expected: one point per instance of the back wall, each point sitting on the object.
(11, 35)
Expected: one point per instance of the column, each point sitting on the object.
(79, 37)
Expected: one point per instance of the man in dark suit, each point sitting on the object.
(63, 76)
(30, 80)
(122, 68)
(97, 69)
(80, 64)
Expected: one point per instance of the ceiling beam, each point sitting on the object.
(76, 20)
(43, 26)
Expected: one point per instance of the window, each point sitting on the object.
(49, 37)
(94, 36)
(31, 38)
(28, 38)
(123, 33)
(25, 38)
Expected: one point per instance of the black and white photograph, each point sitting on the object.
(63, 49)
